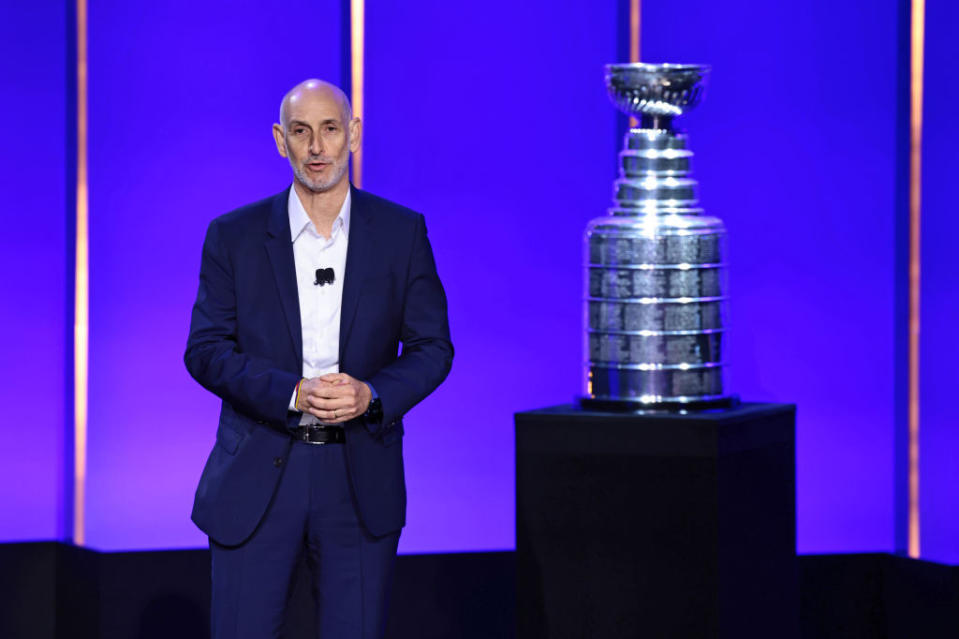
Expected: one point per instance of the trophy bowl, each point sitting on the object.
(660, 91)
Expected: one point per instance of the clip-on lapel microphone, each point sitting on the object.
(323, 276)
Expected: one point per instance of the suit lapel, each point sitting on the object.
(359, 254)
(279, 246)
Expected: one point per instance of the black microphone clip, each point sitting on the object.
(324, 276)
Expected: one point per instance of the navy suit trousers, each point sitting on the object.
(312, 518)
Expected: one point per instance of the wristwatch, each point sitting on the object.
(374, 412)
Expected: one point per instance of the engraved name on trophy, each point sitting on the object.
(655, 266)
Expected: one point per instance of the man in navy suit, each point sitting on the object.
(303, 302)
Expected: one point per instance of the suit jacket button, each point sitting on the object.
(277, 461)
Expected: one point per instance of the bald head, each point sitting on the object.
(316, 133)
(310, 90)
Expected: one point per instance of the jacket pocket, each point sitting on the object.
(228, 439)
(393, 435)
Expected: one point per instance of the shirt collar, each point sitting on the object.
(299, 220)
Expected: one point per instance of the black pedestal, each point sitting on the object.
(661, 525)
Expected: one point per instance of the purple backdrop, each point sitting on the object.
(939, 482)
(506, 142)
(795, 148)
(492, 121)
(33, 260)
(180, 117)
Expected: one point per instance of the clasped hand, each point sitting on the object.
(334, 398)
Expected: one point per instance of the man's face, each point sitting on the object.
(317, 139)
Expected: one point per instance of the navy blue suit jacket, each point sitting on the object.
(245, 345)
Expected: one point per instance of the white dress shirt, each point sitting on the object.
(319, 305)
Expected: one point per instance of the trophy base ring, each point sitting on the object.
(600, 405)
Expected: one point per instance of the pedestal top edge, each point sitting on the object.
(744, 410)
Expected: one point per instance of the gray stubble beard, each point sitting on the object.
(318, 187)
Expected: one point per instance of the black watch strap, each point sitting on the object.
(374, 412)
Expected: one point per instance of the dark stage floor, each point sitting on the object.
(50, 590)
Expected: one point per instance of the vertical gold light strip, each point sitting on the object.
(81, 318)
(918, 35)
(634, 23)
(357, 23)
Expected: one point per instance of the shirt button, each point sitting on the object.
(277, 461)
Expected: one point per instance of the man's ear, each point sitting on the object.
(279, 139)
(356, 132)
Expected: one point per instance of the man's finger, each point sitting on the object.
(336, 416)
(341, 404)
(331, 391)
(329, 402)
(321, 413)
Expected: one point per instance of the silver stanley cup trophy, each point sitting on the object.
(655, 266)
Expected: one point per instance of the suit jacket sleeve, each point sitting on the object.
(427, 352)
(251, 384)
